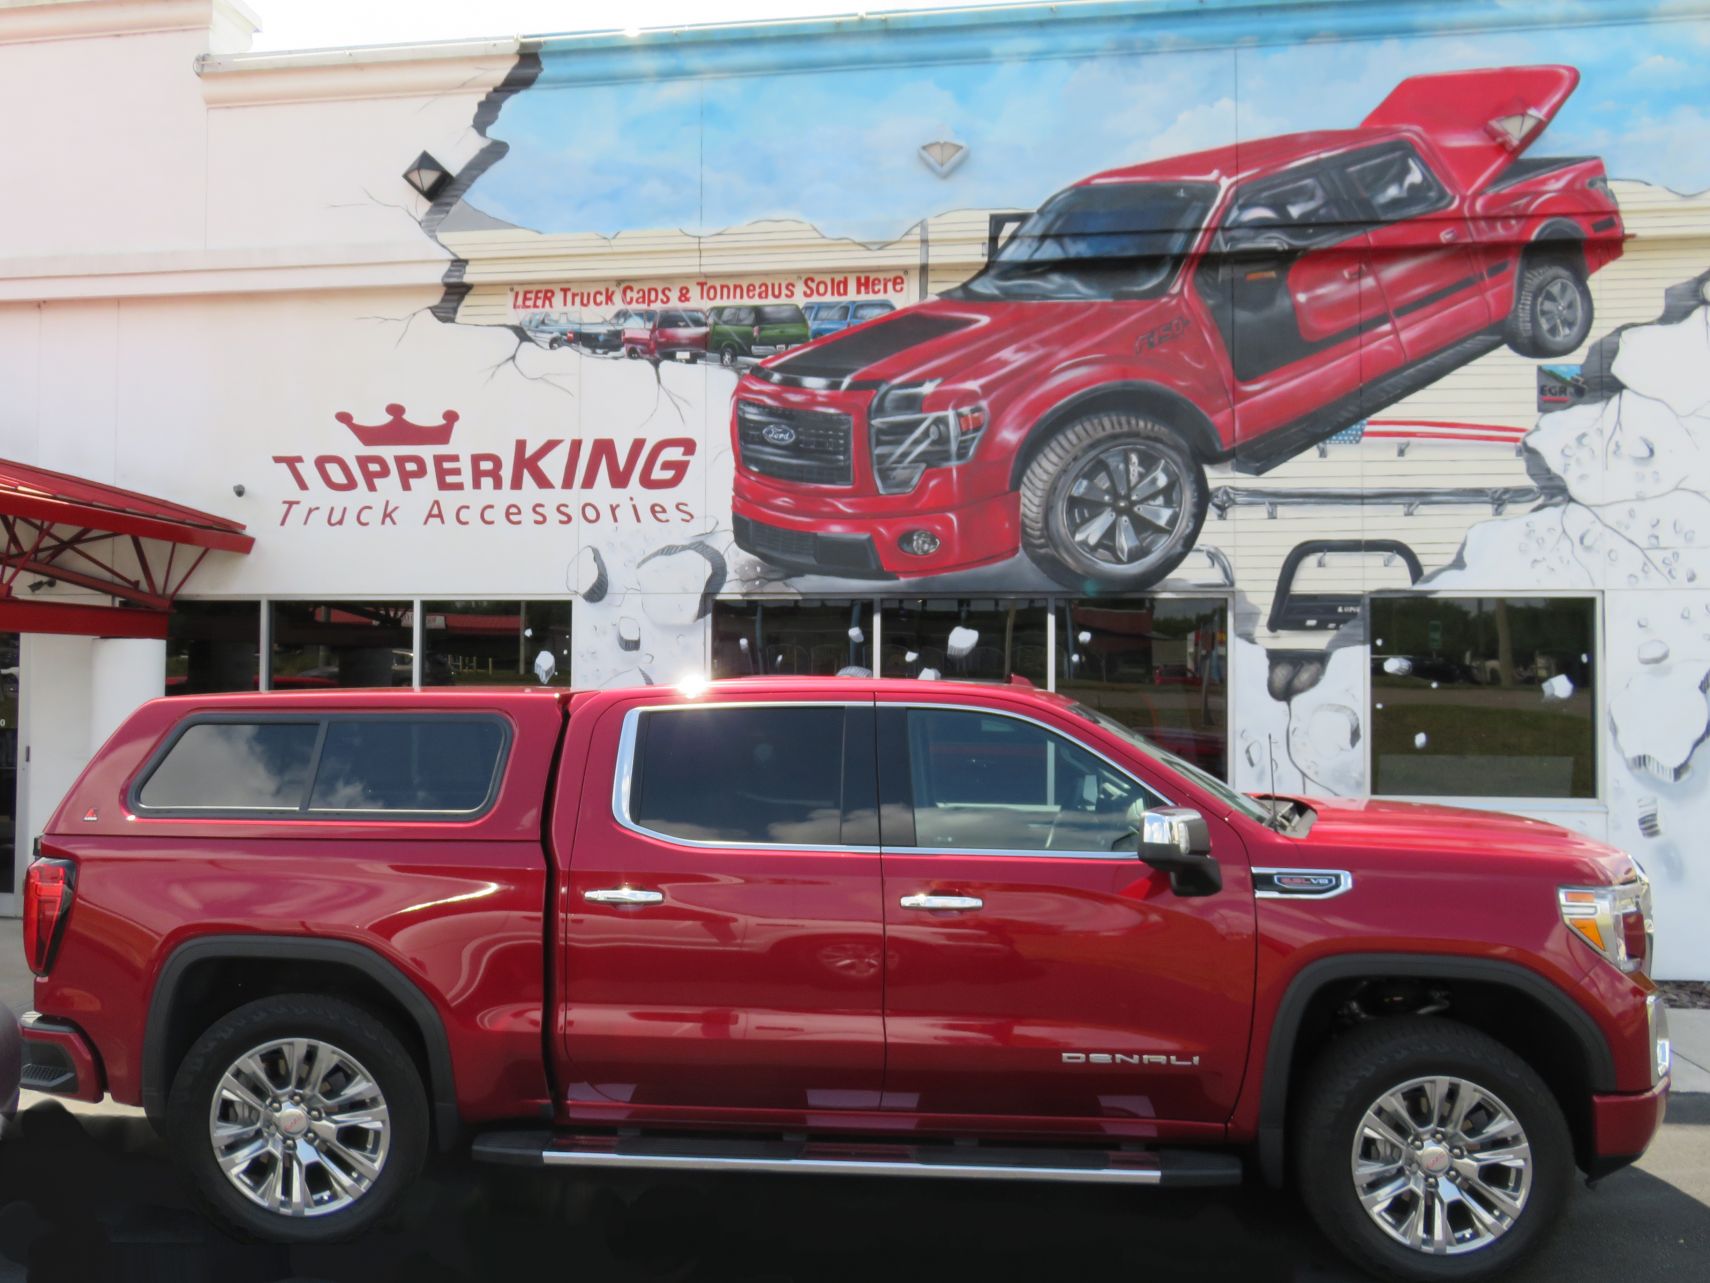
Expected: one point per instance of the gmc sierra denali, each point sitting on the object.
(829, 925)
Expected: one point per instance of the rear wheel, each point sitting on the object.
(1428, 1151)
(302, 1118)
(1112, 501)
(1552, 310)
(727, 356)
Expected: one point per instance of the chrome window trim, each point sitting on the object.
(624, 773)
(1344, 884)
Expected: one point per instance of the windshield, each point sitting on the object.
(1210, 783)
(1103, 241)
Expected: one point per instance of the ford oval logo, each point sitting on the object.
(778, 434)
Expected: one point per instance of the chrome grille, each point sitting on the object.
(795, 445)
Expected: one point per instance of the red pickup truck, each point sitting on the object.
(827, 925)
(1235, 305)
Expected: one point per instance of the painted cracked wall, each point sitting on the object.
(1358, 375)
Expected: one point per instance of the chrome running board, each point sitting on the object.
(1173, 1168)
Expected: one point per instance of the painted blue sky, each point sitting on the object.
(838, 146)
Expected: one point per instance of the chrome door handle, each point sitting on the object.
(1448, 235)
(952, 902)
(624, 895)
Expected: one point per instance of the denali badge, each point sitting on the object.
(1301, 884)
(1124, 1058)
(779, 434)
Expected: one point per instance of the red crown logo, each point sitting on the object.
(398, 430)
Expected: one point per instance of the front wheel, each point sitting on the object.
(303, 1119)
(1112, 501)
(1552, 311)
(727, 357)
(1428, 1151)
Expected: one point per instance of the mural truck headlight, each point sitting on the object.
(907, 439)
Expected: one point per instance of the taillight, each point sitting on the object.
(49, 886)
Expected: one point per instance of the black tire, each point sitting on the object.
(727, 356)
(1361, 1067)
(353, 1030)
(1046, 502)
(633, 353)
(1552, 313)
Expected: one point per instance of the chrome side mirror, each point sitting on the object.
(1175, 840)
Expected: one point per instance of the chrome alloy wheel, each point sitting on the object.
(1123, 504)
(1559, 311)
(1442, 1166)
(299, 1127)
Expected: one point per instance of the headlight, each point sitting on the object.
(1616, 921)
(906, 439)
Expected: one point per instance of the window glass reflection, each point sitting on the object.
(1156, 664)
(968, 639)
(817, 637)
(493, 643)
(340, 643)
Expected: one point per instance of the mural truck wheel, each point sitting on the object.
(1552, 310)
(727, 357)
(1112, 500)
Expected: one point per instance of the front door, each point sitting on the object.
(722, 939)
(1289, 282)
(1035, 966)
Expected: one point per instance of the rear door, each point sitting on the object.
(1034, 967)
(1422, 246)
(721, 929)
(1289, 282)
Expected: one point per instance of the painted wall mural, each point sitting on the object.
(1056, 315)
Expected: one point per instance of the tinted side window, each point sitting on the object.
(747, 775)
(1297, 210)
(986, 782)
(1396, 183)
(243, 766)
(408, 764)
(737, 316)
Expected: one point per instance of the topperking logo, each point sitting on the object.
(406, 474)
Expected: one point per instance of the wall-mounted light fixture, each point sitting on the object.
(427, 176)
(943, 155)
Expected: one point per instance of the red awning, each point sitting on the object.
(76, 531)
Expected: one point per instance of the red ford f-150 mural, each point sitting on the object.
(827, 925)
(1232, 305)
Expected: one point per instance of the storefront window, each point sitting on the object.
(968, 638)
(340, 643)
(817, 637)
(1483, 696)
(489, 643)
(213, 646)
(1159, 665)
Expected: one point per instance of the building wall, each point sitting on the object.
(225, 288)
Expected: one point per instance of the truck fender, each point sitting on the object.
(345, 953)
(1125, 394)
(1279, 1055)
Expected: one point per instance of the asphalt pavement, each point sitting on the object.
(89, 1193)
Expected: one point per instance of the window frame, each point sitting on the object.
(623, 775)
(323, 720)
(1518, 803)
(1003, 852)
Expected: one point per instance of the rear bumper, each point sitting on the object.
(1623, 1126)
(59, 1060)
